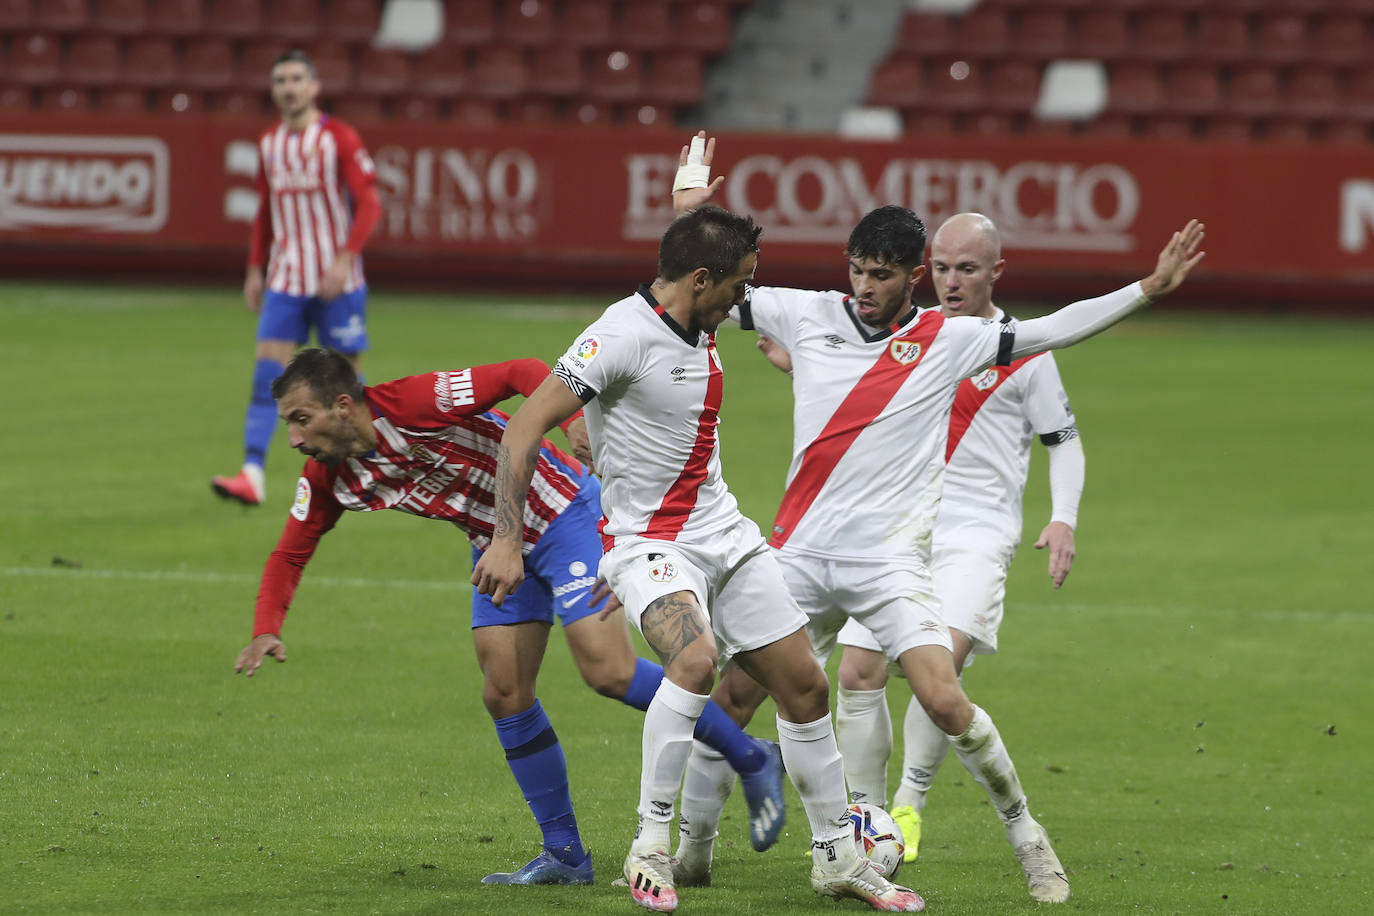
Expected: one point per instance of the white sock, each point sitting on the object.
(708, 783)
(668, 724)
(863, 731)
(984, 755)
(816, 769)
(924, 747)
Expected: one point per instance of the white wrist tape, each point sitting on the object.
(693, 174)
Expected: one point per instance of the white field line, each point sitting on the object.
(208, 578)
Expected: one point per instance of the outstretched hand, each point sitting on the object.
(253, 654)
(1058, 537)
(695, 155)
(1177, 258)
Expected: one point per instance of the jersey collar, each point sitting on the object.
(647, 294)
(869, 334)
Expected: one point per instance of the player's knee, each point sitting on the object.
(947, 706)
(807, 698)
(505, 697)
(863, 671)
(607, 679)
(694, 668)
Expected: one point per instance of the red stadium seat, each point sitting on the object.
(1312, 91)
(35, 60)
(646, 114)
(585, 23)
(1288, 130)
(254, 70)
(469, 23)
(1281, 38)
(1341, 39)
(1357, 94)
(676, 78)
(334, 66)
(956, 85)
(441, 71)
(295, 20)
(925, 123)
(15, 100)
(990, 124)
(235, 18)
(64, 101)
(560, 72)
(1345, 131)
(528, 22)
(1042, 34)
(1229, 128)
(123, 100)
(415, 108)
(1110, 127)
(240, 103)
(705, 26)
(352, 21)
(1013, 86)
(531, 111)
(1223, 37)
(63, 16)
(925, 33)
(475, 112)
(209, 64)
(175, 17)
(982, 33)
(382, 71)
(1167, 127)
(1192, 89)
(356, 109)
(1253, 91)
(1134, 88)
(591, 114)
(1162, 36)
(644, 26)
(615, 76)
(151, 63)
(897, 82)
(1102, 35)
(174, 102)
(121, 17)
(93, 60)
(499, 72)
(16, 16)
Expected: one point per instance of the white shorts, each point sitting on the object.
(892, 598)
(970, 576)
(735, 579)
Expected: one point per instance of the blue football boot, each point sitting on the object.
(545, 869)
(763, 792)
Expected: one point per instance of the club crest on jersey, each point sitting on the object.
(420, 453)
(300, 506)
(986, 381)
(663, 571)
(905, 352)
(587, 348)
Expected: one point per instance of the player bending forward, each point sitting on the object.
(694, 574)
(873, 380)
(427, 445)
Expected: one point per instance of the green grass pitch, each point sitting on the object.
(1191, 715)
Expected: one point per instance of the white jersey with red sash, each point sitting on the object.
(996, 414)
(653, 394)
(870, 418)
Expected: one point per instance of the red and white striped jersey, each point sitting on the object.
(870, 418)
(310, 182)
(653, 394)
(436, 453)
(996, 414)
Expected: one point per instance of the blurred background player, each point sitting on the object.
(977, 530)
(873, 381)
(317, 205)
(426, 445)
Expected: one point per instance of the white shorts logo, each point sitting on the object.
(663, 571)
(300, 506)
(905, 352)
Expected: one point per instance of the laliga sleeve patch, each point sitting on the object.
(300, 506)
(587, 348)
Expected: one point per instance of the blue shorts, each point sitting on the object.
(340, 324)
(559, 572)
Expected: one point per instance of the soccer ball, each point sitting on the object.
(878, 837)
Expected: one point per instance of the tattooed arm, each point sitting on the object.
(501, 569)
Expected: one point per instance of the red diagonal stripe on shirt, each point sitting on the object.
(667, 521)
(968, 399)
(863, 403)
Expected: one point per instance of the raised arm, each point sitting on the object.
(692, 186)
(1083, 319)
(501, 569)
